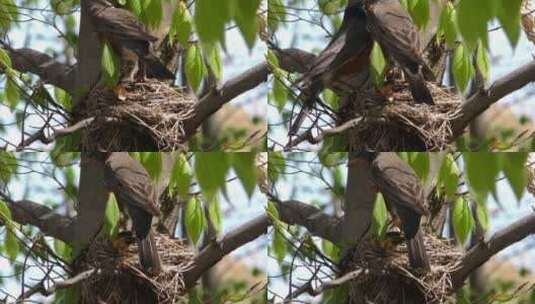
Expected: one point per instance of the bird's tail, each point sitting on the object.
(148, 255)
(154, 68)
(417, 255)
(419, 90)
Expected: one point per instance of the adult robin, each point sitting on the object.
(132, 187)
(404, 198)
(342, 66)
(130, 39)
(392, 27)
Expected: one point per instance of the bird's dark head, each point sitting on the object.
(355, 8)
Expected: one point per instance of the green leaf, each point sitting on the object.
(448, 24)
(462, 220)
(377, 65)
(280, 93)
(110, 65)
(181, 25)
(214, 60)
(135, 6)
(276, 14)
(419, 10)
(246, 20)
(181, 176)
(482, 168)
(419, 161)
(195, 68)
(5, 214)
(152, 161)
(448, 176)
(379, 217)
(330, 250)
(11, 244)
(63, 250)
(111, 217)
(514, 169)
(509, 16)
(472, 18)
(276, 165)
(278, 245)
(195, 220)
(330, 7)
(482, 60)
(482, 213)
(214, 213)
(272, 59)
(211, 169)
(463, 69)
(210, 17)
(12, 92)
(245, 167)
(272, 211)
(331, 98)
(5, 60)
(153, 14)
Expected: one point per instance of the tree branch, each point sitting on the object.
(41, 136)
(215, 251)
(483, 251)
(217, 97)
(48, 69)
(318, 223)
(483, 99)
(26, 212)
(40, 288)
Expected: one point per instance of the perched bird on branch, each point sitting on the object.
(129, 39)
(132, 187)
(404, 198)
(342, 66)
(392, 27)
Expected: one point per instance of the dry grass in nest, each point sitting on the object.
(119, 278)
(388, 277)
(150, 118)
(400, 124)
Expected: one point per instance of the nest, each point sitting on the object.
(149, 118)
(400, 124)
(119, 278)
(388, 277)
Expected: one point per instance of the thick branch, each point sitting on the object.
(234, 87)
(47, 68)
(26, 212)
(482, 100)
(216, 250)
(313, 219)
(483, 251)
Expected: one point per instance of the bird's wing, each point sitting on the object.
(349, 41)
(398, 182)
(392, 27)
(122, 24)
(132, 183)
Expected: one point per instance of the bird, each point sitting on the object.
(131, 184)
(391, 26)
(129, 39)
(404, 197)
(342, 66)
